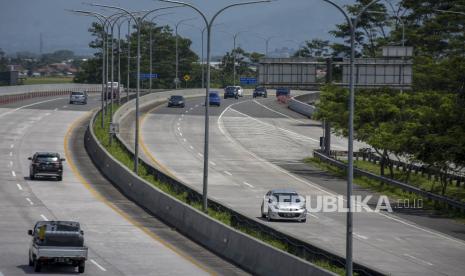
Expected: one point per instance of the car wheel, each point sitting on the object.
(82, 267)
(265, 96)
(183, 105)
(32, 176)
(268, 217)
(37, 266)
(303, 220)
(60, 178)
(31, 262)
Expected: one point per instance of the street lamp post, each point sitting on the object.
(208, 24)
(234, 55)
(138, 22)
(352, 22)
(104, 20)
(176, 80)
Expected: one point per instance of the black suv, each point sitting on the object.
(46, 164)
(260, 91)
(231, 92)
(176, 101)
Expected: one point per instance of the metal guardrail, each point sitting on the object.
(293, 244)
(7, 99)
(406, 187)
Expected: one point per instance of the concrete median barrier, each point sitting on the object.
(247, 252)
(302, 104)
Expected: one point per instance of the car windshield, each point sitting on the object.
(77, 93)
(260, 89)
(287, 197)
(176, 98)
(231, 89)
(213, 95)
(47, 158)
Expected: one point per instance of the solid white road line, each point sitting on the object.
(361, 236)
(247, 184)
(97, 265)
(30, 201)
(277, 112)
(19, 186)
(13, 173)
(44, 217)
(24, 106)
(312, 215)
(418, 259)
(228, 173)
(311, 184)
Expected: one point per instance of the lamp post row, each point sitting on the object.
(352, 23)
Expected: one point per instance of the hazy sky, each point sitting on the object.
(22, 21)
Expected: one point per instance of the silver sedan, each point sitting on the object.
(284, 204)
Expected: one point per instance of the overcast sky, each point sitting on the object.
(290, 21)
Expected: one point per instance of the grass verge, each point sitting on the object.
(117, 150)
(392, 192)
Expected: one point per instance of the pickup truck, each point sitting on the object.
(57, 242)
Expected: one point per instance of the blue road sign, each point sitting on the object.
(248, 80)
(145, 76)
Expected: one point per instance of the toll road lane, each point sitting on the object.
(247, 149)
(116, 246)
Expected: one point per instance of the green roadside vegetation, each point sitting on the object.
(47, 80)
(117, 150)
(392, 192)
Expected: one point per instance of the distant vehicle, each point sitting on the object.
(57, 242)
(283, 204)
(78, 97)
(240, 91)
(214, 98)
(114, 87)
(231, 92)
(46, 164)
(283, 91)
(260, 91)
(176, 101)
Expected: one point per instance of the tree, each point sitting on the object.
(371, 30)
(315, 48)
(3, 61)
(163, 56)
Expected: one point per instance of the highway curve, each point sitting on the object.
(251, 143)
(122, 238)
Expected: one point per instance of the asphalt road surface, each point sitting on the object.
(252, 142)
(122, 238)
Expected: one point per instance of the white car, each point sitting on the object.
(284, 204)
(240, 91)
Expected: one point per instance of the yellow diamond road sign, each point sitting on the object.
(187, 77)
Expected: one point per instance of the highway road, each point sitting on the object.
(251, 144)
(122, 238)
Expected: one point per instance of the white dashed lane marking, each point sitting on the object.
(98, 265)
(228, 173)
(247, 184)
(19, 186)
(13, 173)
(44, 217)
(30, 201)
